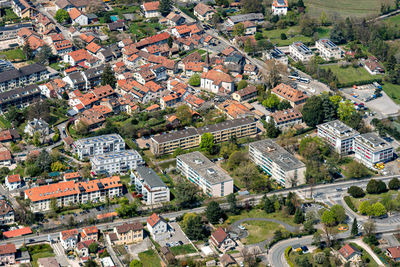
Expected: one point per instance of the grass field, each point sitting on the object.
(393, 91)
(183, 250)
(293, 35)
(256, 213)
(373, 198)
(350, 74)
(13, 54)
(40, 251)
(344, 8)
(260, 231)
(394, 20)
(149, 258)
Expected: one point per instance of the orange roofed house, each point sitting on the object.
(279, 7)
(69, 239)
(203, 12)
(215, 80)
(150, 9)
(7, 254)
(78, 17)
(286, 92)
(221, 240)
(71, 192)
(89, 233)
(158, 227)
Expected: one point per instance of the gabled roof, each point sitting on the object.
(154, 219)
(14, 178)
(203, 9)
(289, 93)
(151, 6)
(73, 233)
(135, 226)
(7, 249)
(74, 13)
(219, 235)
(93, 47)
(348, 250)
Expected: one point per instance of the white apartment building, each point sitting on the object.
(328, 49)
(198, 169)
(279, 7)
(300, 52)
(99, 145)
(338, 135)
(285, 168)
(150, 185)
(370, 149)
(116, 162)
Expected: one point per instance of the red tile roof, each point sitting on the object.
(217, 76)
(219, 235)
(347, 251)
(289, 93)
(18, 232)
(151, 6)
(153, 219)
(74, 13)
(394, 252)
(65, 44)
(7, 249)
(93, 47)
(73, 233)
(14, 178)
(71, 175)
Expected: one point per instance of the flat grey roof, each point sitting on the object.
(373, 141)
(277, 154)
(150, 176)
(162, 138)
(99, 139)
(243, 17)
(339, 129)
(205, 168)
(116, 155)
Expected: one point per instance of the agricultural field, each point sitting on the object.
(350, 74)
(393, 91)
(394, 20)
(344, 8)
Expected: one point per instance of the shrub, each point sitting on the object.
(394, 184)
(349, 203)
(356, 191)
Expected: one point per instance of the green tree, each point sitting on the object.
(53, 205)
(317, 239)
(339, 213)
(93, 247)
(270, 129)
(242, 84)
(328, 218)
(298, 216)
(207, 142)
(214, 212)
(268, 205)
(376, 187)
(126, 210)
(394, 184)
(272, 101)
(323, 19)
(377, 209)
(231, 199)
(194, 227)
(165, 7)
(61, 16)
(36, 139)
(90, 263)
(195, 80)
(235, 159)
(82, 128)
(27, 51)
(312, 111)
(44, 55)
(238, 29)
(356, 191)
(186, 193)
(136, 263)
(345, 110)
(365, 208)
(184, 114)
(170, 42)
(354, 227)
(108, 77)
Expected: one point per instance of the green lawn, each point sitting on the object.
(9, 15)
(260, 231)
(373, 198)
(13, 54)
(183, 250)
(350, 74)
(393, 91)
(394, 20)
(144, 29)
(40, 251)
(344, 8)
(149, 258)
(257, 213)
(4, 123)
(293, 35)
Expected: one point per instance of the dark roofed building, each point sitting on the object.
(20, 97)
(24, 76)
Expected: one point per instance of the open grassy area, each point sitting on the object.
(144, 29)
(260, 231)
(350, 74)
(9, 15)
(344, 8)
(149, 258)
(257, 213)
(4, 123)
(293, 35)
(393, 91)
(40, 251)
(373, 198)
(183, 250)
(13, 54)
(394, 20)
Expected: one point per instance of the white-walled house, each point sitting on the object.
(215, 80)
(158, 227)
(13, 182)
(69, 239)
(279, 7)
(78, 17)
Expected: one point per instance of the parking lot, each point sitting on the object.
(135, 249)
(178, 238)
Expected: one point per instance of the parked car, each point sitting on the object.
(241, 227)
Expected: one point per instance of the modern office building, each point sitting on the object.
(370, 149)
(338, 135)
(300, 52)
(116, 162)
(198, 169)
(99, 145)
(150, 185)
(285, 168)
(328, 49)
(191, 137)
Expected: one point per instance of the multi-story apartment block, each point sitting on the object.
(191, 137)
(285, 168)
(71, 192)
(300, 52)
(338, 135)
(370, 149)
(116, 162)
(20, 97)
(150, 185)
(24, 76)
(6, 213)
(198, 169)
(328, 49)
(99, 145)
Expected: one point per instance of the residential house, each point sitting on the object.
(78, 17)
(118, 25)
(349, 253)
(234, 110)
(286, 118)
(279, 7)
(175, 19)
(286, 92)
(169, 101)
(245, 94)
(7, 215)
(227, 260)
(373, 66)
(23, 8)
(89, 233)
(300, 52)
(217, 81)
(221, 240)
(24, 76)
(150, 9)
(93, 48)
(63, 47)
(69, 239)
(370, 149)
(13, 182)
(203, 11)
(277, 55)
(393, 253)
(158, 227)
(253, 17)
(10, 135)
(82, 248)
(37, 126)
(116, 162)
(250, 28)
(150, 185)
(128, 233)
(7, 254)
(328, 49)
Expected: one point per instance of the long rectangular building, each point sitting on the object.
(72, 192)
(98, 145)
(20, 97)
(150, 185)
(116, 162)
(338, 135)
(24, 76)
(285, 168)
(191, 137)
(198, 169)
(370, 149)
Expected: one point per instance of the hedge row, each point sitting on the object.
(287, 251)
(349, 203)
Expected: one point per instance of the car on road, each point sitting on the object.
(339, 189)
(241, 227)
(31, 240)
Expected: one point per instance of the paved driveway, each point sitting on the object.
(179, 235)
